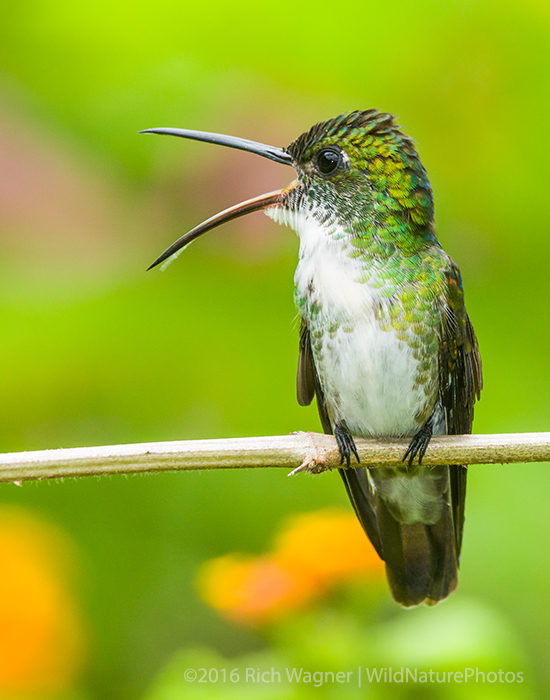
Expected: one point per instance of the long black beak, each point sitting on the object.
(263, 201)
(279, 155)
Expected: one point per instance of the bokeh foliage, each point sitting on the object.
(96, 351)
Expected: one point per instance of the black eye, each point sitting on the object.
(328, 160)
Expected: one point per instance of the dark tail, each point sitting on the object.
(414, 521)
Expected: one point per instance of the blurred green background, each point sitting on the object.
(96, 351)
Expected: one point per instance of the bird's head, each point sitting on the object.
(356, 172)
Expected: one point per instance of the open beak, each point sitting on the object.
(255, 204)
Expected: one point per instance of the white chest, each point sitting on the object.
(368, 375)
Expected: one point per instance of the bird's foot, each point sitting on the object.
(346, 444)
(419, 443)
(315, 462)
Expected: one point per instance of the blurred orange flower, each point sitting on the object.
(250, 589)
(41, 636)
(312, 553)
(328, 546)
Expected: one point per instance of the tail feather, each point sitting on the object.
(421, 562)
(421, 557)
(361, 496)
(406, 550)
(457, 476)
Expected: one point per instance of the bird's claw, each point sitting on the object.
(419, 444)
(346, 445)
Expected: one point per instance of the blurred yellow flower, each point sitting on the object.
(312, 553)
(41, 636)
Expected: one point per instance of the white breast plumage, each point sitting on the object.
(367, 374)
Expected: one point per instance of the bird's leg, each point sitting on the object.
(420, 442)
(346, 444)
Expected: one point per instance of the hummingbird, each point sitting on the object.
(385, 345)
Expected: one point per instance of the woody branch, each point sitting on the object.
(296, 452)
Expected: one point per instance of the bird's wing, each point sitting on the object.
(305, 381)
(355, 479)
(461, 381)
